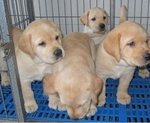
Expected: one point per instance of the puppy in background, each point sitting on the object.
(95, 23)
(38, 48)
(74, 84)
(124, 48)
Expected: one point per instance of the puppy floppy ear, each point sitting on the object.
(112, 46)
(49, 84)
(25, 44)
(84, 18)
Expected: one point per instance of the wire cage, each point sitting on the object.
(66, 14)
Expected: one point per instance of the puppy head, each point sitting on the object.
(78, 99)
(128, 41)
(96, 19)
(42, 39)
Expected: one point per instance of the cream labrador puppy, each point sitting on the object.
(124, 48)
(95, 23)
(38, 48)
(74, 83)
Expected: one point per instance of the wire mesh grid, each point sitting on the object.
(66, 14)
(138, 11)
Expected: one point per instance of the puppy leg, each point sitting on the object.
(29, 101)
(143, 72)
(55, 103)
(101, 98)
(93, 49)
(122, 93)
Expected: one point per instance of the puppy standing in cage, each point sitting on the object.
(38, 48)
(124, 48)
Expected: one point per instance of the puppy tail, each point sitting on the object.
(123, 13)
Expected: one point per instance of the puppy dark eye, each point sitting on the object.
(57, 37)
(79, 106)
(104, 17)
(147, 41)
(42, 43)
(131, 44)
(93, 19)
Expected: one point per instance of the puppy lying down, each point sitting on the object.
(74, 85)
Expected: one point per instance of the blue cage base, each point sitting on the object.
(137, 111)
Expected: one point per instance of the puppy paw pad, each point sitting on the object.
(31, 107)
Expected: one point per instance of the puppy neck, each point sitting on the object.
(87, 29)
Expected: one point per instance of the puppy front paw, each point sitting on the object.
(53, 104)
(101, 100)
(144, 73)
(123, 98)
(31, 106)
(61, 107)
(92, 111)
(56, 104)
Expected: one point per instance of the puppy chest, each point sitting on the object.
(38, 72)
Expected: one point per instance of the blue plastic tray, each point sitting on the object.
(137, 111)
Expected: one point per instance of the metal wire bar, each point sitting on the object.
(58, 12)
(39, 8)
(52, 9)
(134, 8)
(71, 16)
(13, 8)
(14, 76)
(112, 14)
(30, 9)
(147, 27)
(46, 9)
(21, 12)
(141, 11)
(78, 14)
(65, 16)
(17, 10)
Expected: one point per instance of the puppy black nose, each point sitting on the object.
(58, 53)
(102, 26)
(147, 56)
